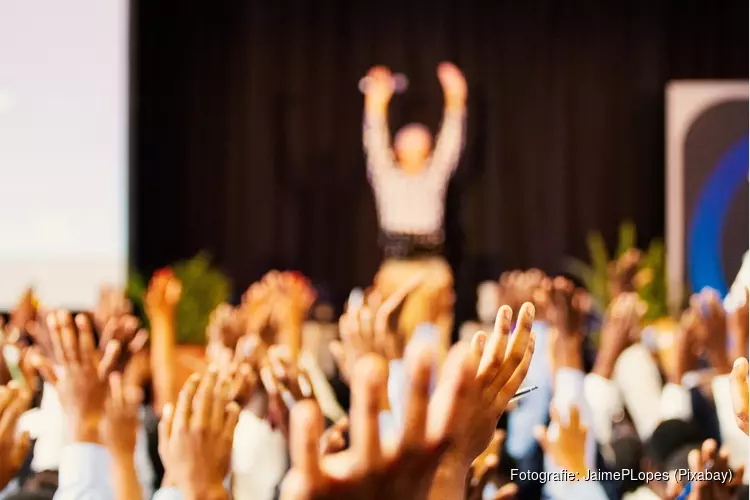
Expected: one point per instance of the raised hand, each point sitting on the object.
(13, 448)
(711, 334)
(380, 87)
(620, 328)
(25, 311)
(622, 273)
(120, 424)
(453, 83)
(163, 295)
(371, 328)
(715, 462)
(477, 383)
(740, 393)
(285, 385)
(82, 374)
(119, 433)
(484, 470)
(125, 330)
(195, 437)
(225, 329)
(368, 469)
(333, 439)
(568, 448)
(113, 303)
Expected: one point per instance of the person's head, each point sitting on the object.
(412, 145)
(669, 446)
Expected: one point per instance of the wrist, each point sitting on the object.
(85, 429)
(603, 367)
(212, 492)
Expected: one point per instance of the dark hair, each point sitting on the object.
(669, 438)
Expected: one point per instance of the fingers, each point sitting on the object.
(420, 363)
(494, 355)
(115, 391)
(540, 434)
(368, 386)
(333, 439)
(165, 430)
(708, 452)
(231, 418)
(506, 492)
(478, 341)
(44, 367)
(55, 335)
(139, 341)
(740, 395)
(69, 340)
(13, 402)
(109, 359)
(86, 343)
(517, 356)
(307, 428)
(202, 401)
(184, 408)
(218, 405)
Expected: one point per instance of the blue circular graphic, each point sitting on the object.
(705, 267)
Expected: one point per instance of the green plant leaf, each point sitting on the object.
(203, 288)
(600, 263)
(627, 238)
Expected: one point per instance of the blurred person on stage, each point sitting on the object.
(409, 182)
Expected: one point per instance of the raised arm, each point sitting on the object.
(375, 135)
(450, 140)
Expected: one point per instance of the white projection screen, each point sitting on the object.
(63, 149)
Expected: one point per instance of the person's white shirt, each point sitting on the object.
(412, 203)
(736, 296)
(259, 458)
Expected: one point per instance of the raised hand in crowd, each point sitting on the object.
(566, 316)
(623, 272)
(195, 437)
(371, 327)
(723, 484)
(334, 439)
(285, 384)
(226, 326)
(681, 355)
(368, 469)
(568, 448)
(80, 373)
(517, 287)
(740, 393)
(620, 328)
(113, 303)
(484, 471)
(13, 447)
(160, 302)
(711, 331)
(25, 311)
(119, 432)
(476, 384)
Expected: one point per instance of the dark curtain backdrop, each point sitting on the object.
(247, 138)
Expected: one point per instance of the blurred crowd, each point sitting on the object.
(95, 405)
